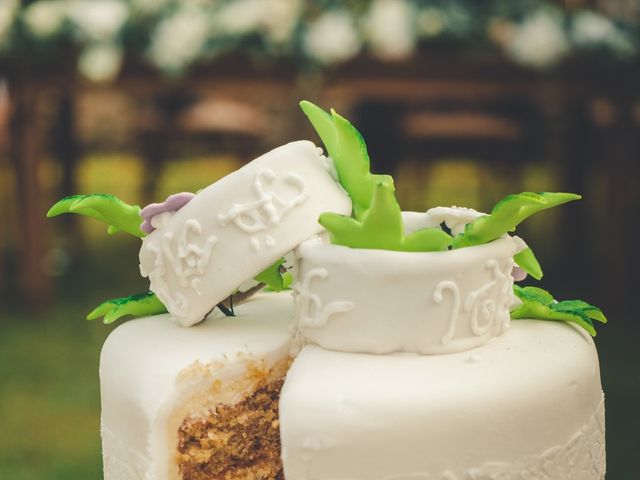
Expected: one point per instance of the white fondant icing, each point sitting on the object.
(455, 218)
(455, 307)
(188, 262)
(160, 220)
(527, 405)
(151, 369)
(398, 300)
(269, 241)
(267, 208)
(119, 461)
(310, 310)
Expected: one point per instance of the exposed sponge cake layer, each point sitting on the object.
(234, 441)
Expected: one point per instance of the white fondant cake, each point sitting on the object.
(527, 405)
(397, 364)
(154, 374)
(255, 215)
(400, 360)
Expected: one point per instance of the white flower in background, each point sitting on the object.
(8, 10)
(332, 38)
(389, 29)
(179, 39)
(540, 41)
(275, 18)
(241, 16)
(99, 20)
(149, 7)
(590, 29)
(45, 18)
(282, 19)
(430, 22)
(100, 62)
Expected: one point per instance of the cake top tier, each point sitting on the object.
(197, 249)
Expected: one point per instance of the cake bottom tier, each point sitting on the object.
(527, 406)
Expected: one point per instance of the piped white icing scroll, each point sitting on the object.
(232, 230)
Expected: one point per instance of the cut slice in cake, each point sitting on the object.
(196, 403)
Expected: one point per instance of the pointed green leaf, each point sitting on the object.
(427, 240)
(64, 205)
(348, 150)
(583, 307)
(322, 123)
(118, 215)
(533, 294)
(342, 230)
(507, 214)
(527, 261)
(273, 277)
(139, 305)
(539, 304)
(381, 227)
(538, 311)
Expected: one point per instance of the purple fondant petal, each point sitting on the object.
(173, 203)
(518, 274)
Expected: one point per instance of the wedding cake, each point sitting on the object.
(371, 344)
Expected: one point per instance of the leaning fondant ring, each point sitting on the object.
(235, 228)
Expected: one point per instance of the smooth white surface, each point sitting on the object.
(151, 370)
(380, 301)
(527, 405)
(237, 227)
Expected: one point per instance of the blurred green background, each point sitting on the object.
(464, 102)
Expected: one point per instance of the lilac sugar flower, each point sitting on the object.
(173, 203)
(518, 274)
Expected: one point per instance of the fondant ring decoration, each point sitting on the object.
(211, 245)
(425, 302)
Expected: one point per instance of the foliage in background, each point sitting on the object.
(173, 35)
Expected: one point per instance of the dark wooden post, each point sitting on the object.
(25, 151)
(66, 148)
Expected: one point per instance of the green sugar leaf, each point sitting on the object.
(539, 304)
(348, 150)
(274, 277)
(118, 215)
(139, 305)
(527, 261)
(533, 294)
(427, 240)
(507, 214)
(381, 227)
(594, 313)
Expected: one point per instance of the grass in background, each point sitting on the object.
(49, 396)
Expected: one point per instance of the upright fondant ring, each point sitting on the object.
(235, 228)
(424, 302)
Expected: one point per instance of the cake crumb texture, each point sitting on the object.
(234, 442)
